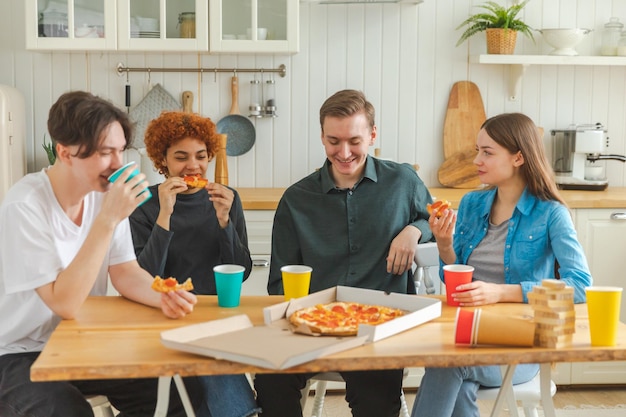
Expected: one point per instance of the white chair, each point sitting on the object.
(426, 257)
(321, 380)
(528, 394)
(101, 404)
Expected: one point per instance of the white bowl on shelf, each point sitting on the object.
(564, 40)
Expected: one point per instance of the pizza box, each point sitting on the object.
(420, 309)
(237, 339)
(275, 346)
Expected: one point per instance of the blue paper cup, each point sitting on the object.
(228, 279)
(114, 176)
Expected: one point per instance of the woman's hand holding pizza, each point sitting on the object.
(167, 193)
(441, 221)
(222, 198)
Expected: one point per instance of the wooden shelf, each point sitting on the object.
(547, 59)
(519, 63)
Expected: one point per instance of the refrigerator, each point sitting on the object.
(12, 137)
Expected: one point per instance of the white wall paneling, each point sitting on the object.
(403, 56)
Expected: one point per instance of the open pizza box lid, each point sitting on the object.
(275, 346)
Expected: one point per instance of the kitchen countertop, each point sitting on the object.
(612, 197)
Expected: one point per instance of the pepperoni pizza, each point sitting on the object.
(342, 318)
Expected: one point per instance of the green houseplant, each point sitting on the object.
(500, 24)
(50, 151)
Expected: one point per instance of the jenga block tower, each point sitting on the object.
(553, 307)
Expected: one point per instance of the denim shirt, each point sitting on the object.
(539, 232)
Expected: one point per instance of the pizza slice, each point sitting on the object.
(170, 284)
(195, 181)
(439, 205)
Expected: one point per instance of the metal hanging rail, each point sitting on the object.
(281, 70)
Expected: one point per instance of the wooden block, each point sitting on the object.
(553, 283)
(555, 294)
(543, 300)
(554, 314)
(554, 341)
(549, 321)
(554, 332)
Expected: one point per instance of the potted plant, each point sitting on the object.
(50, 151)
(500, 25)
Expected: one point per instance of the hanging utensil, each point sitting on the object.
(150, 107)
(239, 129)
(187, 101)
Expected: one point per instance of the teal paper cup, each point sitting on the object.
(114, 176)
(228, 279)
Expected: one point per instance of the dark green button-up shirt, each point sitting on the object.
(345, 234)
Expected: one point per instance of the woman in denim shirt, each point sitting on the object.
(514, 233)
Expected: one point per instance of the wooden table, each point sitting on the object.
(612, 197)
(115, 338)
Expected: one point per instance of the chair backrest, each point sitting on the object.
(426, 257)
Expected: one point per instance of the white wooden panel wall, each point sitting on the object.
(402, 56)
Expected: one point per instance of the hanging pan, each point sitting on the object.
(238, 128)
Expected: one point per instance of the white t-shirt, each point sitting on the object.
(37, 242)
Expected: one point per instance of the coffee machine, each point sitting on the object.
(575, 152)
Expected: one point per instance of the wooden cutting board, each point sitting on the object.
(459, 171)
(464, 117)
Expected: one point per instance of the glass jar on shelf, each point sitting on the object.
(53, 24)
(621, 44)
(187, 23)
(610, 37)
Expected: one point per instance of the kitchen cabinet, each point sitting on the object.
(259, 226)
(602, 233)
(596, 227)
(254, 26)
(234, 26)
(70, 25)
(163, 25)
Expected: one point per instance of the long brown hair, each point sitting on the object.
(516, 132)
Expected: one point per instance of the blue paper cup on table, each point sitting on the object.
(114, 176)
(228, 279)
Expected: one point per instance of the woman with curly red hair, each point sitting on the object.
(184, 232)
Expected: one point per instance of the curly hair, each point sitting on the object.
(172, 126)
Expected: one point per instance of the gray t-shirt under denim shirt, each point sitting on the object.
(488, 257)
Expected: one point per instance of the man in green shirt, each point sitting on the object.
(356, 222)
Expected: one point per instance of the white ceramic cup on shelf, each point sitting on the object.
(261, 33)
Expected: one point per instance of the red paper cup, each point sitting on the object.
(464, 326)
(455, 275)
